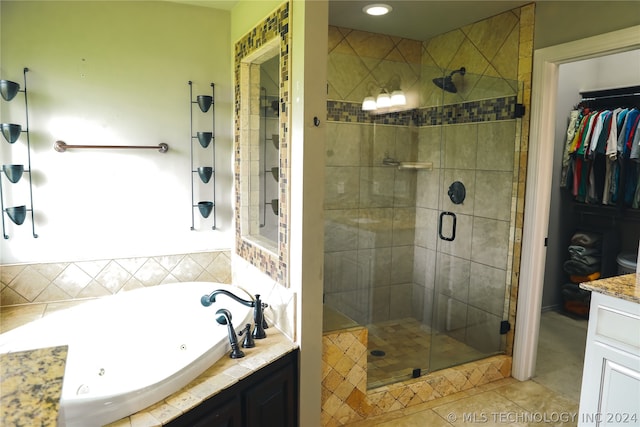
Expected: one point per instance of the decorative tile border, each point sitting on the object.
(276, 25)
(466, 112)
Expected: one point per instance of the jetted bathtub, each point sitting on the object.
(132, 349)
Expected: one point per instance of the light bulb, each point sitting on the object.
(377, 9)
(398, 98)
(369, 104)
(383, 100)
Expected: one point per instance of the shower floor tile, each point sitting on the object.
(406, 344)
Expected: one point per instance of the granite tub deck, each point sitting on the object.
(31, 386)
(222, 375)
(625, 287)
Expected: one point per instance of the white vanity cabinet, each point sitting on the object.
(610, 394)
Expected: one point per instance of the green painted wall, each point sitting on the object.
(116, 73)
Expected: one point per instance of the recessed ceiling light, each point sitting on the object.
(377, 9)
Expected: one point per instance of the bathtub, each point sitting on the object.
(132, 349)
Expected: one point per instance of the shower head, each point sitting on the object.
(446, 83)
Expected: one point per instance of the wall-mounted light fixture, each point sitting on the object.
(377, 9)
(384, 100)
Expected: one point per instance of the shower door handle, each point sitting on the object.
(453, 228)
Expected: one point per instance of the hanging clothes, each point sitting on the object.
(601, 155)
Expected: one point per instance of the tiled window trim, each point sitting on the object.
(486, 110)
(277, 24)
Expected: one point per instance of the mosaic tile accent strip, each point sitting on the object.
(344, 111)
(469, 112)
(276, 25)
(65, 281)
(345, 398)
(466, 112)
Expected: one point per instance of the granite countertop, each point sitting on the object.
(624, 287)
(223, 374)
(31, 386)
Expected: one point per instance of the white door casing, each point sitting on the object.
(546, 64)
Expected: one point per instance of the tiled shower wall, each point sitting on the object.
(69, 281)
(369, 217)
(369, 207)
(472, 270)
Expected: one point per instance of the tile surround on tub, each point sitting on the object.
(68, 281)
(281, 300)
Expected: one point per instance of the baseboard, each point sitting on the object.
(554, 307)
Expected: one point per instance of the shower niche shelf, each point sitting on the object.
(13, 173)
(203, 176)
(272, 204)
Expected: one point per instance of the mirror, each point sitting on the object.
(262, 69)
(263, 146)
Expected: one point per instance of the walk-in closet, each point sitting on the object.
(579, 202)
(594, 217)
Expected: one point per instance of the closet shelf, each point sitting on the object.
(611, 212)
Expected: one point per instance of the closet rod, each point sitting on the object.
(61, 146)
(610, 93)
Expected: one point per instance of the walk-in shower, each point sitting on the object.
(421, 256)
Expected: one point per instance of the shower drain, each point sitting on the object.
(378, 353)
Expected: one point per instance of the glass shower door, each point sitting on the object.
(474, 224)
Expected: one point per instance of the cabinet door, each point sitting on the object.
(612, 388)
(213, 413)
(272, 401)
(226, 415)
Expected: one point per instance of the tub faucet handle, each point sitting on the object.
(224, 318)
(248, 341)
(264, 319)
(258, 318)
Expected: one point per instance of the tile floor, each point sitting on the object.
(407, 344)
(507, 402)
(550, 398)
(561, 346)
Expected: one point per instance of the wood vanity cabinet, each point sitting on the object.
(268, 397)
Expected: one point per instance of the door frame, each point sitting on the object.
(546, 64)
